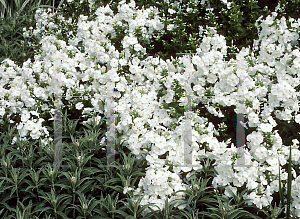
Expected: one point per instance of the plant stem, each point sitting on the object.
(73, 205)
(280, 189)
(289, 185)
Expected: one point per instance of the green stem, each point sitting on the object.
(37, 192)
(73, 205)
(280, 189)
(17, 194)
(289, 185)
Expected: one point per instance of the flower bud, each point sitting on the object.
(79, 159)
(196, 187)
(73, 179)
(127, 166)
(4, 163)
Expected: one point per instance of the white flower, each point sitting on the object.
(295, 141)
(296, 62)
(170, 27)
(126, 189)
(265, 127)
(261, 152)
(155, 61)
(29, 125)
(123, 62)
(272, 160)
(14, 140)
(183, 101)
(286, 114)
(188, 10)
(253, 119)
(232, 80)
(114, 62)
(25, 116)
(2, 111)
(221, 180)
(257, 138)
(132, 40)
(35, 135)
(171, 11)
(79, 106)
(36, 128)
(251, 184)
(272, 121)
(212, 78)
(196, 60)
(69, 82)
(138, 47)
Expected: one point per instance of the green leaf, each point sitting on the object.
(62, 214)
(289, 184)
(3, 3)
(119, 212)
(280, 189)
(23, 5)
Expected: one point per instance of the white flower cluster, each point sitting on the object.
(31, 125)
(146, 124)
(225, 2)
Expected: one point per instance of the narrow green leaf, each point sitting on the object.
(3, 3)
(280, 189)
(289, 185)
(124, 214)
(61, 2)
(62, 214)
(23, 6)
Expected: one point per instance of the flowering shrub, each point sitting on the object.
(150, 97)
